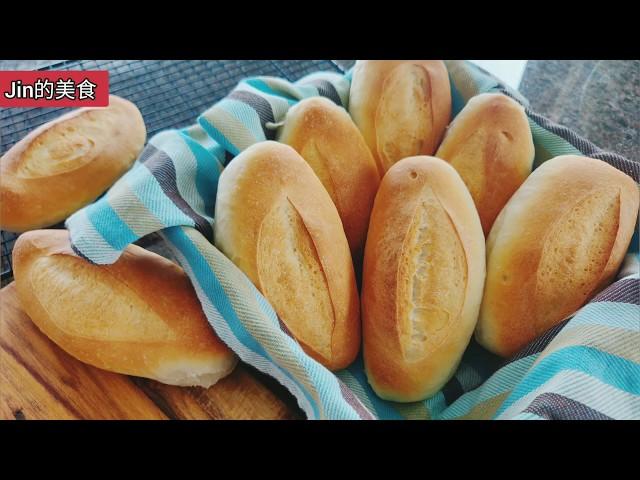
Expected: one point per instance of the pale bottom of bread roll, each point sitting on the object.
(195, 374)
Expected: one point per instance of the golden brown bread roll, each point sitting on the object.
(67, 163)
(558, 241)
(402, 107)
(489, 143)
(424, 270)
(139, 316)
(326, 137)
(277, 223)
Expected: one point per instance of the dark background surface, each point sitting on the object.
(598, 99)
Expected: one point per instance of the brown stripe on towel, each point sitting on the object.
(161, 167)
(553, 406)
(261, 106)
(352, 400)
(626, 290)
(326, 89)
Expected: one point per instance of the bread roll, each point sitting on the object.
(424, 270)
(277, 223)
(67, 163)
(557, 242)
(402, 107)
(490, 145)
(139, 316)
(326, 137)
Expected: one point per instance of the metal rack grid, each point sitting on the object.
(169, 94)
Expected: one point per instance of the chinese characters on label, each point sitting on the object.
(54, 89)
(43, 88)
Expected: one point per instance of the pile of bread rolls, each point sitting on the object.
(386, 226)
(444, 223)
(139, 316)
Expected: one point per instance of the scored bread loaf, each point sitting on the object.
(277, 223)
(559, 240)
(67, 163)
(139, 316)
(402, 107)
(326, 137)
(489, 143)
(424, 270)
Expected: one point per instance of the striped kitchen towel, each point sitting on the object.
(588, 367)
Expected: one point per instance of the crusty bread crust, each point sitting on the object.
(277, 223)
(67, 163)
(402, 107)
(424, 270)
(558, 241)
(489, 143)
(326, 137)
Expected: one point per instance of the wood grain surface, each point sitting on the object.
(38, 380)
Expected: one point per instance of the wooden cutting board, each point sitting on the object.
(38, 380)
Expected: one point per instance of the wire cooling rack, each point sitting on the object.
(169, 94)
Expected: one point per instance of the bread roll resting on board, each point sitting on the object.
(277, 223)
(424, 270)
(558, 241)
(326, 137)
(139, 316)
(67, 163)
(489, 143)
(402, 107)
